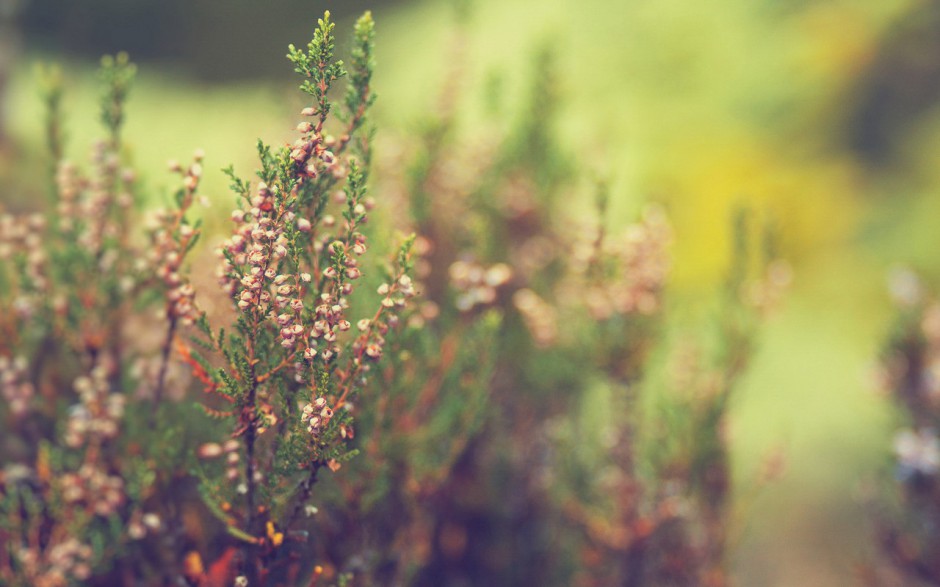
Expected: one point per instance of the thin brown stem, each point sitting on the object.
(304, 490)
(164, 361)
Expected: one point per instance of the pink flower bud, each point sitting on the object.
(209, 450)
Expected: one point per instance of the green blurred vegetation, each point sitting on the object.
(703, 107)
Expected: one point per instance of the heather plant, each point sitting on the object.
(75, 487)
(291, 371)
(906, 516)
(485, 212)
(421, 421)
(581, 310)
(646, 486)
(90, 470)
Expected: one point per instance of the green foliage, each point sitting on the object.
(317, 65)
(362, 62)
(470, 367)
(117, 73)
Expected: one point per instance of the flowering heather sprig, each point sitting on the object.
(909, 374)
(172, 238)
(44, 264)
(476, 284)
(918, 453)
(92, 487)
(76, 489)
(61, 564)
(88, 234)
(15, 387)
(96, 418)
(293, 360)
(74, 289)
(910, 364)
(117, 74)
(540, 317)
(23, 273)
(626, 275)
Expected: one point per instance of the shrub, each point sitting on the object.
(103, 448)
(464, 387)
(906, 514)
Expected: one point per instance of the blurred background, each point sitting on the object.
(822, 113)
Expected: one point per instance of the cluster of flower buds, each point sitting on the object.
(912, 373)
(905, 287)
(145, 370)
(330, 313)
(765, 294)
(541, 318)
(98, 413)
(476, 284)
(141, 524)
(15, 387)
(257, 246)
(316, 416)
(311, 152)
(171, 237)
(69, 185)
(95, 205)
(329, 322)
(918, 453)
(371, 341)
(91, 486)
(228, 449)
(625, 276)
(25, 235)
(61, 564)
(289, 307)
(427, 311)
